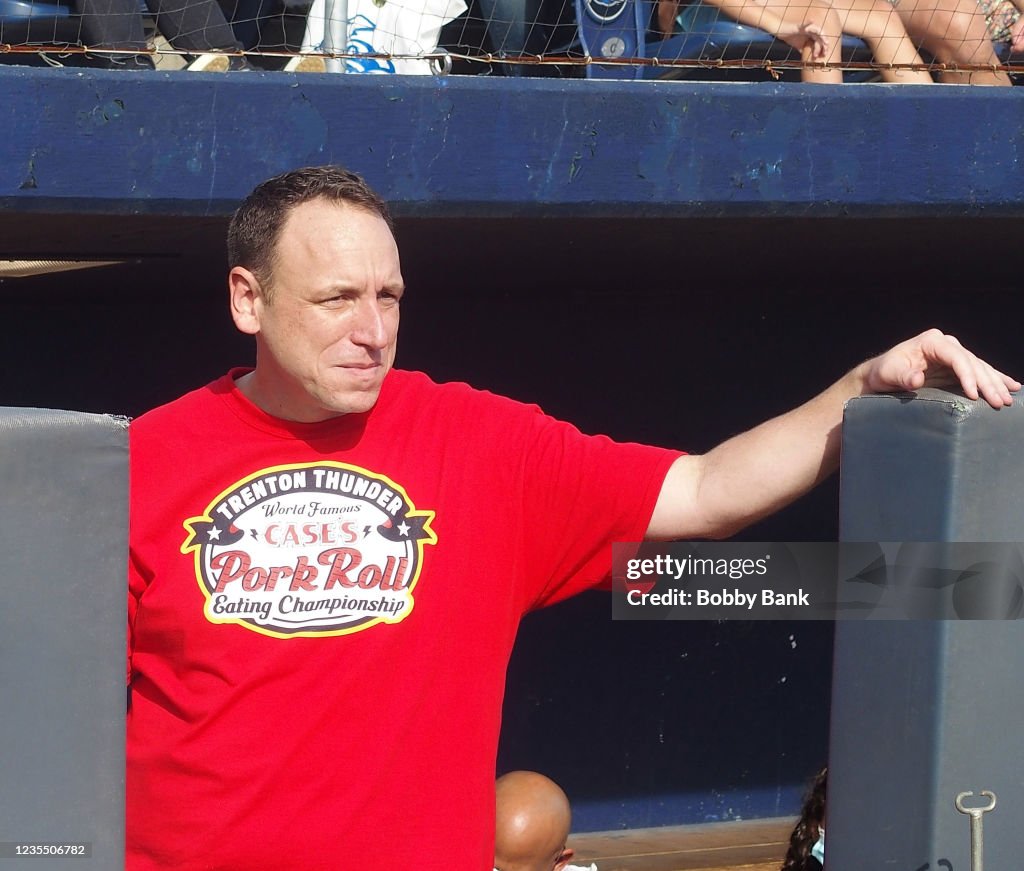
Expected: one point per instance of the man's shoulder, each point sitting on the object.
(412, 385)
(185, 407)
(457, 409)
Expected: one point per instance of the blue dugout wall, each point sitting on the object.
(83, 141)
(664, 261)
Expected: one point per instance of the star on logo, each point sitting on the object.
(403, 528)
(213, 534)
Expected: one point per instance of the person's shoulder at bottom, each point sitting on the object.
(590, 867)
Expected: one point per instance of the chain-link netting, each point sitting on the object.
(900, 41)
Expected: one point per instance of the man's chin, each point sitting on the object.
(354, 402)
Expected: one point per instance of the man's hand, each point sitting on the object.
(934, 359)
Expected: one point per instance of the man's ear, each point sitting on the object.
(564, 858)
(246, 297)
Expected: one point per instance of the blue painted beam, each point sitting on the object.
(193, 144)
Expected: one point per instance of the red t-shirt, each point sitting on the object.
(320, 617)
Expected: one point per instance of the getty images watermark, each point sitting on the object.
(818, 581)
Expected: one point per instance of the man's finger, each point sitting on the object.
(998, 386)
(978, 378)
(963, 367)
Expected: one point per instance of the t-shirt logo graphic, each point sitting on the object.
(309, 549)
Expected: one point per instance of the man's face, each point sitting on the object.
(327, 337)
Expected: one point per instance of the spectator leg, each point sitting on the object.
(194, 26)
(506, 28)
(111, 24)
(954, 31)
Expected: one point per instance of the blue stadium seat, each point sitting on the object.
(20, 10)
(32, 22)
(45, 22)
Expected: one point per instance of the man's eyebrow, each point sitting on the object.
(343, 285)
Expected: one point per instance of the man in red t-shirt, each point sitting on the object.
(330, 558)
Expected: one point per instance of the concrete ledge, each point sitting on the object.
(193, 144)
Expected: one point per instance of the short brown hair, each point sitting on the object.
(256, 225)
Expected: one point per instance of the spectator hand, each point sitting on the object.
(815, 40)
(934, 359)
(1017, 35)
(806, 37)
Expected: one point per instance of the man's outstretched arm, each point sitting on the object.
(758, 472)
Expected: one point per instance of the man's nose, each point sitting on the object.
(370, 329)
